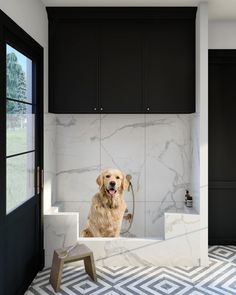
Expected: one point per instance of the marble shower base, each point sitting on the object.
(179, 247)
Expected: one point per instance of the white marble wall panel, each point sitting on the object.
(78, 156)
(167, 157)
(154, 217)
(154, 149)
(123, 147)
(77, 185)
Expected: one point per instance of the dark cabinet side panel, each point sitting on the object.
(222, 104)
(169, 66)
(120, 68)
(222, 147)
(73, 68)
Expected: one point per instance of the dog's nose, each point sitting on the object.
(112, 183)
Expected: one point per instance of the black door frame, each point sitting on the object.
(12, 33)
(220, 56)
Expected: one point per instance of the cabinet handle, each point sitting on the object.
(95, 109)
(148, 109)
(101, 109)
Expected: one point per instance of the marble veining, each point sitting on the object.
(79, 170)
(60, 230)
(180, 247)
(156, 149)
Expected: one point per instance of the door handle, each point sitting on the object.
(38, 180)
(42, 179)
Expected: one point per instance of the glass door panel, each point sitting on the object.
(19, 75)
(20, 128)
(20, 121)
(20, 180)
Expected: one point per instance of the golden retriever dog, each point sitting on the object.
(108, 206)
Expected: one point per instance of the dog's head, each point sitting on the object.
(113, 182)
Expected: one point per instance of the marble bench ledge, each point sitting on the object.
(185, 222)
(60, 231)
(184, 210)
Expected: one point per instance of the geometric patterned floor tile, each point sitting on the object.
(218, 278)
(224, 253)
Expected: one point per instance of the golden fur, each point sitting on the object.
(108, 206)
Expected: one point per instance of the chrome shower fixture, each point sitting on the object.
(129, 177)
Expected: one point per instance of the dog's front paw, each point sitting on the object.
(86, 233)
(128, 217)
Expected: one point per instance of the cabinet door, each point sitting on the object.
(120, 68)
(169, 66)
(74, 72)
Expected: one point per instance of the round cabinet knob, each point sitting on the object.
(148, 109)
(101, 109)
(95, 109)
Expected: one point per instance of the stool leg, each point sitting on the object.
(56, 272)
(90, 267)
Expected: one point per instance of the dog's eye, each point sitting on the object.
(117, 177)
(108, 176)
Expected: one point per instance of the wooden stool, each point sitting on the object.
(60, 256)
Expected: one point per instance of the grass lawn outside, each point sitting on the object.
(20, 169)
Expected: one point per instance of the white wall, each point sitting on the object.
(31, 16)
(202, 111)
(222, 34)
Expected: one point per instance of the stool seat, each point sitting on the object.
(70, 254)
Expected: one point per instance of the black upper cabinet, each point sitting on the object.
(121, 60)
(73, 68)
(169, 66)
(120, 68)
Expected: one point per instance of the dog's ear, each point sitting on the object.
(125, 183)
(99, 180)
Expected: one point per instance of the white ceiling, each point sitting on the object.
(218, 9)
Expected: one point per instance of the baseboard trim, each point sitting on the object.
(220, 241)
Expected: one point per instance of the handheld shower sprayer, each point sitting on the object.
(129, 177)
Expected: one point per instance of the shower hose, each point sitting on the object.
(130, 188)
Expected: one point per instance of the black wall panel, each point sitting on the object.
(222, 146)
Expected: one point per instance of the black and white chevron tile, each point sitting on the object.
(218, 278)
